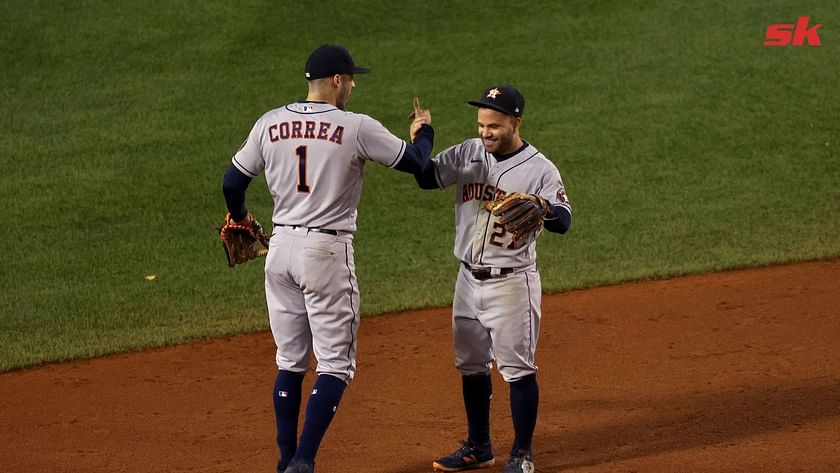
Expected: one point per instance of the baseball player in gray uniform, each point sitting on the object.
(313, 154)
(496, 308)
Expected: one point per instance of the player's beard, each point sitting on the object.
(502, 143)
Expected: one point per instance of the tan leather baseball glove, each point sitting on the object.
(521, 214)
(243, 242)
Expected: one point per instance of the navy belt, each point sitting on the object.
(319, 230)
(483, 274)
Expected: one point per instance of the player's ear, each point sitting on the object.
(517, 122)
(336, 80)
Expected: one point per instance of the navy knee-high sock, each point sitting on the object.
(320, 410)
(524, 398)
(478, 390)
(287, 397)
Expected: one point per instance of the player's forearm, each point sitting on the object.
(416, 156)
(559, 221)
(234, 185)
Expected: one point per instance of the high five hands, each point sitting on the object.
(420, 117)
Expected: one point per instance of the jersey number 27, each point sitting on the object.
(500, 233)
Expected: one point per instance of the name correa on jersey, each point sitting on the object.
(482, 191)
(305, 130)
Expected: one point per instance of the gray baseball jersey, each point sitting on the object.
(313, 155)
(497, 318)
(480, 239)
(306, 143)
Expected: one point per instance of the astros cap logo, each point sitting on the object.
(501, 98)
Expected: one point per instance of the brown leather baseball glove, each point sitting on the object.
(521, 214)
(243, 242)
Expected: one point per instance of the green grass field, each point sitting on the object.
(685, 145)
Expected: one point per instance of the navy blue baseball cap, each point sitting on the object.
(502, 98)
(331, 59)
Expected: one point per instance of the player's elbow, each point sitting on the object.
(227, 188)
(425, 183)
(234, 181)
(426, 177)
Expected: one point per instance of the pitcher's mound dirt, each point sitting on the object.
(732, 372)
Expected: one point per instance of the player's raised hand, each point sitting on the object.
(420, 113)
(419, 117)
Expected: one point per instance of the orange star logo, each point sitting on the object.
(493, 93)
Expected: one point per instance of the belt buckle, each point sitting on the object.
(487, 273)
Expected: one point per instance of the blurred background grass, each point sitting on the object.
(685, 145)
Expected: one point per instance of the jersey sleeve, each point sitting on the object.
(447, 164)
(249, 159)
(553, 190)
(376, 143)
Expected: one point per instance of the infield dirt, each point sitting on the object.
(728, 372)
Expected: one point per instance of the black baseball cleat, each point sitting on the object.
(469, 457)
(299, 465)
(521, 461)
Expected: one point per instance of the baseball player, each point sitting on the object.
(496, 308)
(313, 154)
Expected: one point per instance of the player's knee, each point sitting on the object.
(513, 374)
(525, 380)
(342, 371)
(473, 370)
(471, 365)
(293, 364)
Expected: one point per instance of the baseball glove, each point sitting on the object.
(521, 214)
(243, 243)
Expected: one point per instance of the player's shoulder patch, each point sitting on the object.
(562, 197)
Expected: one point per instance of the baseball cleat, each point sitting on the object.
(520, 461)
(299, 465)
(469, 457)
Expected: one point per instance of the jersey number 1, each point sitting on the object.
(301, 154)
